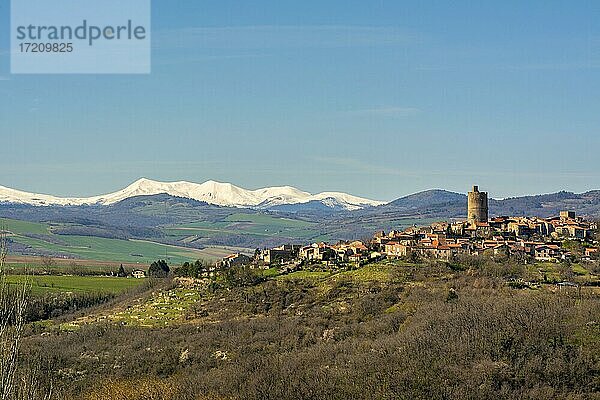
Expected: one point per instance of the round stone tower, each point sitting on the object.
(477, 209)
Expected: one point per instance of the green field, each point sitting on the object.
(259, 225)
(21, 227)
(377, 272)
(309, 275)
(269, 221)
(75, 284)
(103, 249)
(95, 248)
(40, 238)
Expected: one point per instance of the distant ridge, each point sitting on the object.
(444, 204)
(211, 192)
(429, 198)
(435, 203)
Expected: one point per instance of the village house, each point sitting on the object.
(519, 228)
(234, 260)
(343, 253)
(591, 253)
(479, 230)
(138, 274)
(547, 252)
(568, 225)
(318, 252)
(279, 255)
(436, 250)
(396, 249)
(358, 247)
(501, 249)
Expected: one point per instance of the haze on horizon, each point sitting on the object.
(376, 100)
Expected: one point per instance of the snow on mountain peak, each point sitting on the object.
(212, 192)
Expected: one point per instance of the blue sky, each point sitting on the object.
(376, 98)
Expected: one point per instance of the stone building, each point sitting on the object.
(477, 209)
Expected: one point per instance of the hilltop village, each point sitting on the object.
(563, 237)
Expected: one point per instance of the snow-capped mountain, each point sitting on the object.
(222, 194)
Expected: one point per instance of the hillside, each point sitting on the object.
(392, 330)
(429, 198)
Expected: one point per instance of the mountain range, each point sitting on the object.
(210, 192)
(210, 214)
(288, 200)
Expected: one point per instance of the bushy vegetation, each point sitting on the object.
(53, 305)
(241, 276)
(385, 331)
(159, 269)
(192, 270)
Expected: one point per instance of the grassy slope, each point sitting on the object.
(246, 224)
(86, 284)
(19, 227)
(388, 326)
(94, 248)
(103, 249)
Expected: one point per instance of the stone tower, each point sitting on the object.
(477, 209)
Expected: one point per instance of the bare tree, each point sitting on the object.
(13, 303)
(48, 262)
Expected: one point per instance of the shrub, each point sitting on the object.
(159, 269)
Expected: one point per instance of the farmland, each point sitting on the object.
(75, 284)
(247, 228)
(38, 238)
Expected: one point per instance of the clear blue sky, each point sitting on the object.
(376, 98)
